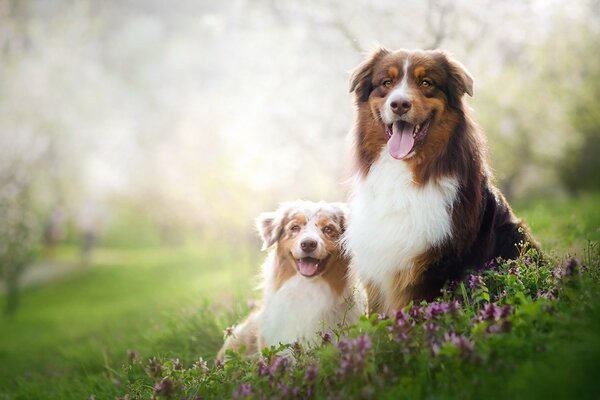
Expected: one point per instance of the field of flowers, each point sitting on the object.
(484, 338)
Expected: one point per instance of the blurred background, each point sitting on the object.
(139, 138)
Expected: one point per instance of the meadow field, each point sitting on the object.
(90, 334)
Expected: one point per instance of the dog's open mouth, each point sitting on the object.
(309, 266)
(403, 136)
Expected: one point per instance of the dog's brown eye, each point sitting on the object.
(387, 83)
(426, 83)
(295, 228)
(328, 230)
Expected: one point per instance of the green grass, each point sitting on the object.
(74, 330)
(70, 338)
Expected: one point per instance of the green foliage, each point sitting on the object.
(444, 349)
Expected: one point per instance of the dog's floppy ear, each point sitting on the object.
(342, 212)
(360, 79)
(459, 79)
(270, 228)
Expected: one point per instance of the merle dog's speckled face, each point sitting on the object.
(307, 233)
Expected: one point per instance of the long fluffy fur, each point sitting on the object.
(420, 221)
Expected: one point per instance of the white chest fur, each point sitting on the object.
(393, 220)
(301, 308)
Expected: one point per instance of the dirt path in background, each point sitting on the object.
(43, 272)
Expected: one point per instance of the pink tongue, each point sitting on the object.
(402, 142)
(308, 266)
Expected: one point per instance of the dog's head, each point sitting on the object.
(305, 233)
(407, 93)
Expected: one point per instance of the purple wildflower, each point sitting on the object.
(353, 352)
(436, 309)
(245, 390)
(284, 390)
(569, 267)
(154, 368)
(164, 387)
(514, 271)
(278, 364)
(415, 311)
(475, 281)
(177, 364)
(219, 364)
(202, 365)
(454, 307)
(312, 371)
(490, 312)
(382, 317)
(431, 328)
(325, 338)
(501, 295)
(491, 264)
(460, 341)
(262, 368)
(452, 285)
(498, 327)
(363, 343)
(401, 315)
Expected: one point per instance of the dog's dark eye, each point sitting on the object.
(387, 83)
(295, 228)
(328, 230)
(426, 83)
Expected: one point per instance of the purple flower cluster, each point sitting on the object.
(164, 387)
(326, 338)
(569, 267)
(312, 371)
(201, 365)
(154, 368)
(475, 282)
(436, 309)
(245, 390)
(491, 265)
(459, 341)
(353, 354)
(277, 367)
(492, 312)
(496, 317)
(285, 390)
(516, 271)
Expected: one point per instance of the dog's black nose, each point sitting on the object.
(401, 105)
(308, 245)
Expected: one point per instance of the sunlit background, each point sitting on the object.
(133, 129)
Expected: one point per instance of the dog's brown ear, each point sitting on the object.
(270, 228)
(342, 212)
(360, 79)
(459, 79)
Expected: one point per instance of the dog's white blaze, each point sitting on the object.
(302, 308)
(310, 232)
(401, 90)
(392, 220)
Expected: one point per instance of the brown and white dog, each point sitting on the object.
(306, 287)
(423, 208)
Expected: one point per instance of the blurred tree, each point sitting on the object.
(580, 166)
(18, 233)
